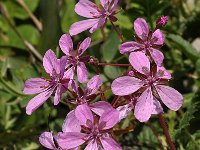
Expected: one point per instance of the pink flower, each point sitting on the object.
(150, 84)
(75, 60)
(96, 16)
(58, 82)
(47, 140)
(146, 41)
(96, 131)
(87, 95)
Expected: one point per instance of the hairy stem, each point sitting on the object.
(118, 33)
(108, 64)
(165, 130)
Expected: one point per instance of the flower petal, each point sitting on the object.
(141, 28)
(99, 24)
(66, 44)
(84, 115)
(46, 139)
(86, 9)
(157, 56)
(128, 47)
(81, 72)
(105, 4)
(110, 144)
(108, 119)
(124, 111)
(94, 84)
(50, 63)
(100, 107)
(71, 123)
(69, 74)
(84, 45)
(125, 85)
(35, 85)
(92, 145)
(162, 73)
(140, 62)
(58, 94)
(157, 108)
(170, 97)
(38, 100)
(157, 38)
(144, 106)
(114, 5)
(70, 140)
(81, 26)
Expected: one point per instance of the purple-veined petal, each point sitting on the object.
(69, 74)
(128, 47)
(84, 115)
(124, 111)
(57, 94)
(144, 106)
(71, 123)
(66, 44)
(162, 73)
(81, 26)
(84, 45)
(35, 85)
(50, 63)
(105, 4)
(99, 24)
(46, 139)
(92, 145)
(157, 38)
(94, 84)
(114, 5)
(38, 100)
(157, 56)
(140, 62)
(108, 119)
(81, 72)
(157, 108)
(70, 140)
(86, 9)
(141, 28)
(110, 144)
(63, 63)
(125, 85)
(100, 107)
(170, 97)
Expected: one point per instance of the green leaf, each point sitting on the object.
(69, 16)
(185, 121)
(184, 47)
(112, 72)
(28, 32)
(16, 11)
(51, 25)
(198, 65)
(110, 47)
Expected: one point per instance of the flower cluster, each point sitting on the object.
(91, 122)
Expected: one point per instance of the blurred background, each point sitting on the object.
(28, 28)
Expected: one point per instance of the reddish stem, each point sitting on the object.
(118, 33)
(165, 130)
(107, 64)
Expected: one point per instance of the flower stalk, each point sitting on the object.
(165, 130)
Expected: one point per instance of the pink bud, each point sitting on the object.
(131, 73)
(161, 21)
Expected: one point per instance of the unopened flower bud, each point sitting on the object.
(131, 73)
(161, 21)
(91, 60)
